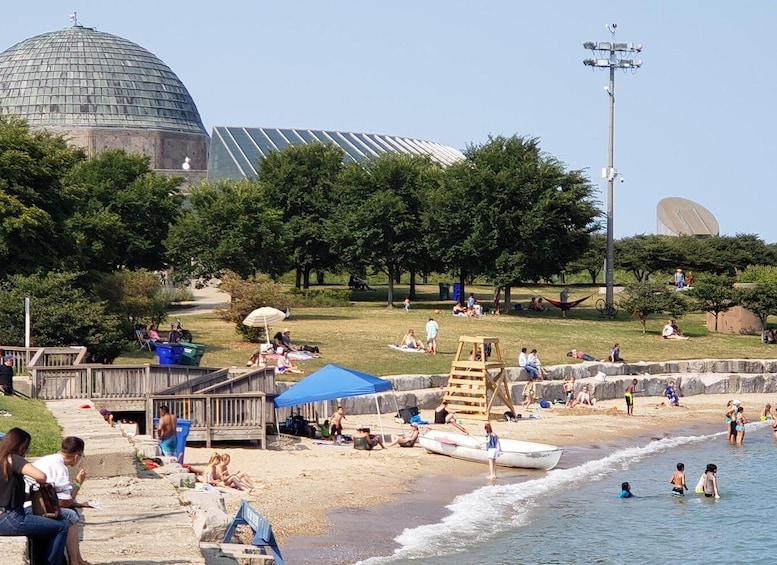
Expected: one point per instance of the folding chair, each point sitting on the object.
(143, 340)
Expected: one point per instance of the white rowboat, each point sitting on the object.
(515, 453)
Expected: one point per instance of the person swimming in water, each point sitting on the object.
(625, 491)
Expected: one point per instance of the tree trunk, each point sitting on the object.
(398, 276)
(508, 299)
(412, 284)
(390, 298)
(497, 296)
(320, 277)
(462, 283)
(297, 278)
(306, 278)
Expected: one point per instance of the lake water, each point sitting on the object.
(573, 515)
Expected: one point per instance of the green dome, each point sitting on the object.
(80, 77)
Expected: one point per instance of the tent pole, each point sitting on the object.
(277, 426)
(396, 404)
(380, 422)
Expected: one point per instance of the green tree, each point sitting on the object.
(592, 259)
(761, 301)
(248, 295)
(644, 299)
(136, 295)
(302, 180)
(63, 314)
(123, 214)
(227, 226)
(34, 204)
(528, 216)
(381, 219)
(714, 294)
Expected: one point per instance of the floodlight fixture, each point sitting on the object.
(616, 54)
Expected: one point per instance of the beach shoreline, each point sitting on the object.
(348, 504)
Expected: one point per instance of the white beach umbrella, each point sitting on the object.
(264, 316)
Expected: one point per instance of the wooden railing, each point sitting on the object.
(109, 381)
(216, 416)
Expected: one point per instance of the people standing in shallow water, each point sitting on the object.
(678, 481)
(493, 448)
(625, 491)
(740, 425)
(711, 481)
(731, 415)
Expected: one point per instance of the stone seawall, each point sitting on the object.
(607, 381)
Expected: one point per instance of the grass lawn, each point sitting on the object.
(33, 417)
(357, 336)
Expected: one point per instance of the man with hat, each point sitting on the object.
(6, 375)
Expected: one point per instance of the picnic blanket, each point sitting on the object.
(406, 349)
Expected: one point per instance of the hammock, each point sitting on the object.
(566, 305)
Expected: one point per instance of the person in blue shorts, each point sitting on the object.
(166, 432)
(625, 491)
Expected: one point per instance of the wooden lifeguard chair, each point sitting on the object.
(477, 377)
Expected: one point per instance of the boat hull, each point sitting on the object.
(515, 453)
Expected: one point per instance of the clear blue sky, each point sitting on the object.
(697, 121)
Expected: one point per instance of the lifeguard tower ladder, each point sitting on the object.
(476, 379)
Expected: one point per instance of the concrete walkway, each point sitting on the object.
(142, 520)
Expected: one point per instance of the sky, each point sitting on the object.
(696, 121)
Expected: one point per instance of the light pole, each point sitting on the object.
(611, 55)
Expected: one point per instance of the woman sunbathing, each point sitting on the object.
(234, 479)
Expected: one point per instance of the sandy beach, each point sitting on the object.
(301, 481)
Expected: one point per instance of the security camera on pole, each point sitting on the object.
(611, 55)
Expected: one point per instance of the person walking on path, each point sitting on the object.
(629, 396)
(432, 329)
(166, 432)
(494, 449)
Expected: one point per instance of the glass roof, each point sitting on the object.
(80, 77)
(235, 152)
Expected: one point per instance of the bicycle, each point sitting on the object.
(606, 310)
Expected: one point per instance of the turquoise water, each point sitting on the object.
(574, 516)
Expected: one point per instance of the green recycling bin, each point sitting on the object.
(192, 353)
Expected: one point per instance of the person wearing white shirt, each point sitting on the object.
(71, 452)
(523, 363)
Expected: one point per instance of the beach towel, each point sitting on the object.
(299, 355)
(406, 349)
(417, 420)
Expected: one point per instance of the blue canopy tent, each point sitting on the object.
(332, 382)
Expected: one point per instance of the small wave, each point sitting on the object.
(474, 516)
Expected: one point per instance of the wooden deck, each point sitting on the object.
(221, 406)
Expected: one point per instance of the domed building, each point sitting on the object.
(104, 92)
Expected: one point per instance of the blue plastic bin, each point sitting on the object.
(457, 292)
(169, 353)
(181, 434)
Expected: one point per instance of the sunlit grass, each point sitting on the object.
(33, 417)
(357, 336)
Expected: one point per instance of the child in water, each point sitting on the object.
(625, 491)
(678, 481)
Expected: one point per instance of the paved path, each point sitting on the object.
(205, 300)
(142, 519)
